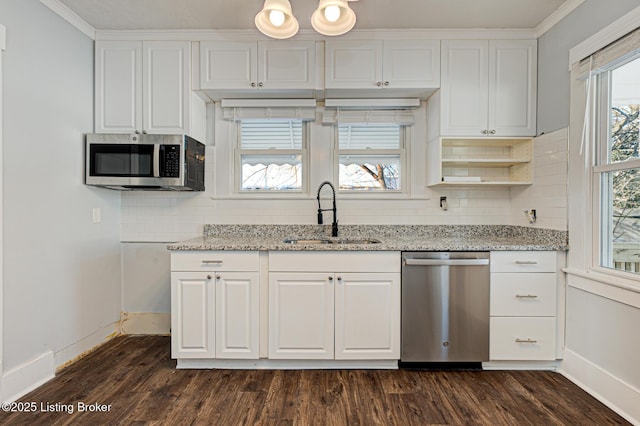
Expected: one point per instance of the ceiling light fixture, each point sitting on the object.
(331, 18)
(276, 19)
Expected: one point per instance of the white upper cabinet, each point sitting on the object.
(262, 65)
(142, 87)
(488, 88)
(394, 64)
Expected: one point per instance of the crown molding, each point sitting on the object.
(252, 35)
(558, 15)
(606, 36)
(68, 15)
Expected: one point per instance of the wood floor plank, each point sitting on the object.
(136, 376)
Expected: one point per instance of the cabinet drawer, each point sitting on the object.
(523, 261)
(334, 261)
(514, 294)
(215, 261)
(522, 338)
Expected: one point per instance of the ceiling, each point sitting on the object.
(371, 14)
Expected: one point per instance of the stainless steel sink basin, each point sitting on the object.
(330, 241)
(307, 241)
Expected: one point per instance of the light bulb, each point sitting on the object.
(276, 17)
(332, 13)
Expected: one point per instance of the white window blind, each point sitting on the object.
(361, 136)
(271, 134)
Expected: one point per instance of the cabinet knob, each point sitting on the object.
(386, 83)
(260, 84)
(253, 84)
(330, 278)
(217, 276)
(484, 132)
(208, 277)
(340, 279)
(137, 132)
(493, 132)
(379, 84)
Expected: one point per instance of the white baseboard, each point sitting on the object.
(71, 353)
(145, 323)
(28, 376)
(616, 394)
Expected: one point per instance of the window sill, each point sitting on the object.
(605, 283)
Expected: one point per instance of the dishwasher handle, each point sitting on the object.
(446, 262)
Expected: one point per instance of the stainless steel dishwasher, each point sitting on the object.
(445, 307)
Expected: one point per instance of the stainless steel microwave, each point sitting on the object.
(144, 162)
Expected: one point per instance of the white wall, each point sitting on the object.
(61, 271)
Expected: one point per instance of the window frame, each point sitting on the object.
(601, 168)
(303, 152)
(402, 151)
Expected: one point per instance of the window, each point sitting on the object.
(370, 157)
(271, 155)
(617, 169)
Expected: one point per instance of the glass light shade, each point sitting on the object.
(267, 19)
(343, 23)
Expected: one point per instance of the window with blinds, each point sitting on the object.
(271, 155)
(371, 157)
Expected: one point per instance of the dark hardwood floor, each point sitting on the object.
(135, 381)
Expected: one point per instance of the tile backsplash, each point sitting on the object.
(170, 216)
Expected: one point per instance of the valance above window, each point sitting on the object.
(400, 117)
(265, 109)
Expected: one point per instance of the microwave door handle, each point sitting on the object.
(156, 160)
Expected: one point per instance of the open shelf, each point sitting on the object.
(485, 162)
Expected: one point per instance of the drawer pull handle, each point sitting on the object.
(212, 262)
(526, 341)
(526, 262)
(526, 296)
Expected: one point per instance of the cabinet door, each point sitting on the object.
(301, 315)
(411, 64)
(367, 316)
(512, 87)
(166, 94)
(286, 65)
(228, 65)
(118, 86)
(353, 64)
(464, 87)
(192, 315)
(237, 320)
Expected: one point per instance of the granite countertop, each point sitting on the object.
(391, 237)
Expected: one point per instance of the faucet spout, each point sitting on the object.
(334, 224)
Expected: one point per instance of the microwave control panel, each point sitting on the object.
(170, 161)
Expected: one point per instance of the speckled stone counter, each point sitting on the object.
(391, 237)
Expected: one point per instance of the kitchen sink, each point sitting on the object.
(331, 241)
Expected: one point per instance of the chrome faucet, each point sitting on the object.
(334, 224)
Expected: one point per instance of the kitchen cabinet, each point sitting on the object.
(523, 306)
(261, 65)
(142, 87)
(479, 161)
(488, 88)
(334, 305)
(389, 64)
(214, 305)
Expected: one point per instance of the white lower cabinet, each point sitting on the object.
(192, 315)
(318, 313)
(523, 322)
(214, 310)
